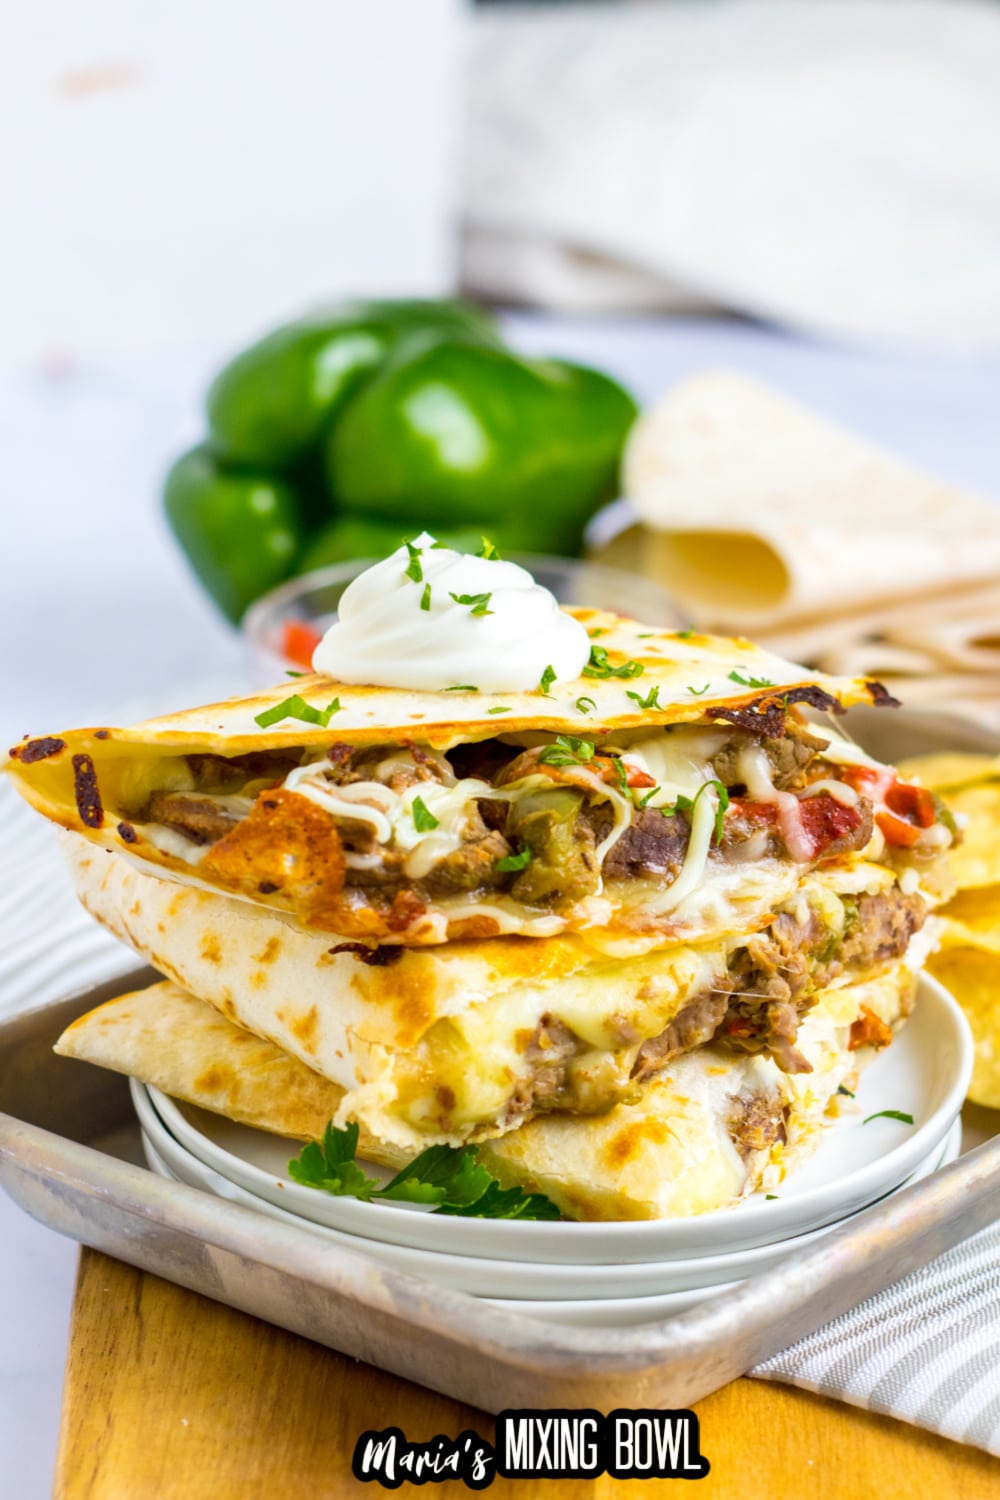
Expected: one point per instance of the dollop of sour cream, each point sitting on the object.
(430, 618)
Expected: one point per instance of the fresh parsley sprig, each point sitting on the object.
(423, 819)
(890, 1114)
(651, 700)
(599, 666)
(448, 1178)
(751, 682)
(478, 604)
(519, 861)
(585, 706)
(547, 679)
(488, 551)
(567, 750)
(296, 707)
(687, 804)
(414, 569)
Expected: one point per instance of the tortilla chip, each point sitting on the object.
(976, 860)
(972, 919)
(950, 769)
(973, 977)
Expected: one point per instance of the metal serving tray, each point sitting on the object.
(68, 1131)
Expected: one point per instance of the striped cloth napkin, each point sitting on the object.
(924, 1350)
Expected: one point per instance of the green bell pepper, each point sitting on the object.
(463, 434)
(351, 537)
(241, 529)
(271, 403)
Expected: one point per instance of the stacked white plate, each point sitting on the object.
(609, 1274)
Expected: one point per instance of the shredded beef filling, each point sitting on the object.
(756, 1005)
(755, 1122)
(554, 826)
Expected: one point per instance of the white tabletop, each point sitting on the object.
(97, 609)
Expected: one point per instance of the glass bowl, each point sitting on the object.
(312, 600)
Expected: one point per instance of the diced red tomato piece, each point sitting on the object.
(897, 830)
(298, 643)
(825, 820)
(914, 803)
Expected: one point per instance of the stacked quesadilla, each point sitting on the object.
(628, 931)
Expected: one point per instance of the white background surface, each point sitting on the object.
(97, 608)
(171, 169)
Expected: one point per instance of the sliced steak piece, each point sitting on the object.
(880, 928)
(200, 819)
(653, 845)
(756, 1122)
(470, 867)
(696, 1024)
(548, 1053)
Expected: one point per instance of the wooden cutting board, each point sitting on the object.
(169, 1396)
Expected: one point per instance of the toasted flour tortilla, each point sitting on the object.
(96, 781)
(711, 1129)
(450, 1043)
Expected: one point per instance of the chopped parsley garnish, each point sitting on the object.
(477, 603)
(644, 801)
(462, 687)
(585, 706)
(599, 666)
(449, 1178)
(687, 804)
(297, 708)
(754, 682)
(842, 1090)
(413, 569)
(597, 631)
(294, 674)
(567, 750)
(685, 635)
(770, 1197)
(548, 678)
(618, 766)
(500, 709)
(423, 819)
(647, 635)
(488, 551)
(651, 700)
(697, 692)
(514, 861)
(890, 1114)
(425, 597)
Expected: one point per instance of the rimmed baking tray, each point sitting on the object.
(67, 1131)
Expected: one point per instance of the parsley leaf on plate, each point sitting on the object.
(449, 1178)
(890, 1114)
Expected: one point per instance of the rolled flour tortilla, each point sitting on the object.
(758, 512)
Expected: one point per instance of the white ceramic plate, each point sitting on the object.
(925, 1073)
(500, 1278)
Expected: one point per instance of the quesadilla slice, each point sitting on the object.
(469, 1039)
(673, 792)
(712, 1128)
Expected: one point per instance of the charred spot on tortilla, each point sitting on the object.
(88, 796)
(378, 957)
(881, 696)
(102, 734)
(766, 715)
(127, 833)
(38, 750)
